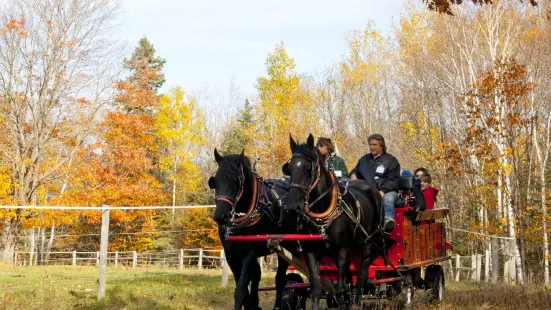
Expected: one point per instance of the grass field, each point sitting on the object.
(75, 287)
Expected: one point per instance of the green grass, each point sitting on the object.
(75, 287)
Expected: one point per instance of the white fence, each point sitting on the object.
(201, 258)
(478, 267)
(183, 258)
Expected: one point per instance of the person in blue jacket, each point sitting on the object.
(381, 170)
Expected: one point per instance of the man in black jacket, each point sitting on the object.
(381, 170)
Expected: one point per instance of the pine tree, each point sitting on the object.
(236, 138)
(138, 92)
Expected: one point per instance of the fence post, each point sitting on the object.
(15, 258)
(495, 260)
(181, 259)
(97, 258)
(134, 259)
(478, 267)
(74, 258)
(457, 266)
(487, 266)
(225, 269)
(473, 267)
(200, 264)
(116, 258)
(506, 271)
(104, 239)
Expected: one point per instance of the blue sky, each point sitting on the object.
(213, 41)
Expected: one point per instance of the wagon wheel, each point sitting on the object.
(434, 277)
(293, 299)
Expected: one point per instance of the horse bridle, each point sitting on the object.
(314, 177)
(232, 201)
(330, 213)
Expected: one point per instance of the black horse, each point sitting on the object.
(349, 220)
(246, 204)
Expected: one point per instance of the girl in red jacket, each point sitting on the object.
(429, 192)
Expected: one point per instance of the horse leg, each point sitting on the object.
(315, 284)
(367, 257)
(280, 278)
(343, 267)
(241, 293)
(255, 275)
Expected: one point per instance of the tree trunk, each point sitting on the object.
(512, 232)
(50, 243)
(8, 240)
(43, 246)
(545, 238)
(173, 198)
(31, 248)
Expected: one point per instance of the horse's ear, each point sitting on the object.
(212, 183)
(293, 143)
(242, 154)
(285, 169)
(217, 156)
(310, 141)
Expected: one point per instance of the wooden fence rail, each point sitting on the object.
(200, 258)
(478, 267)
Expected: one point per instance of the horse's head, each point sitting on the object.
(304, 169)
(228, 183)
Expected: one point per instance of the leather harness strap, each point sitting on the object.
(251, 217)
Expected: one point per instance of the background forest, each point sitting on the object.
(460, 89)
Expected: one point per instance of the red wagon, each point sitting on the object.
(419, 245)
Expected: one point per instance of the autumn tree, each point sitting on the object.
(56, 64)
(284, 107)
(179, 128)
(121, 167)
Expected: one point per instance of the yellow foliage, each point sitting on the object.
(285, 107)
(179, 129)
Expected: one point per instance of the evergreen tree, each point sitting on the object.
(236, 137)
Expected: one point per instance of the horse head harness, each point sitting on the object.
(252, 216)
(321, 220)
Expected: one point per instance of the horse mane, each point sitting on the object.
(313, 154)
(231, 166)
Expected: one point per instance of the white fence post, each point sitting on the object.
(181, 259)
(200, 264)
(104, 240)
(74, 258)
(478, 267)
(116, 258)
(225, 269)
(457, 267)
(134, 259)
(473, 267)
(487, 267)
(506, 271)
